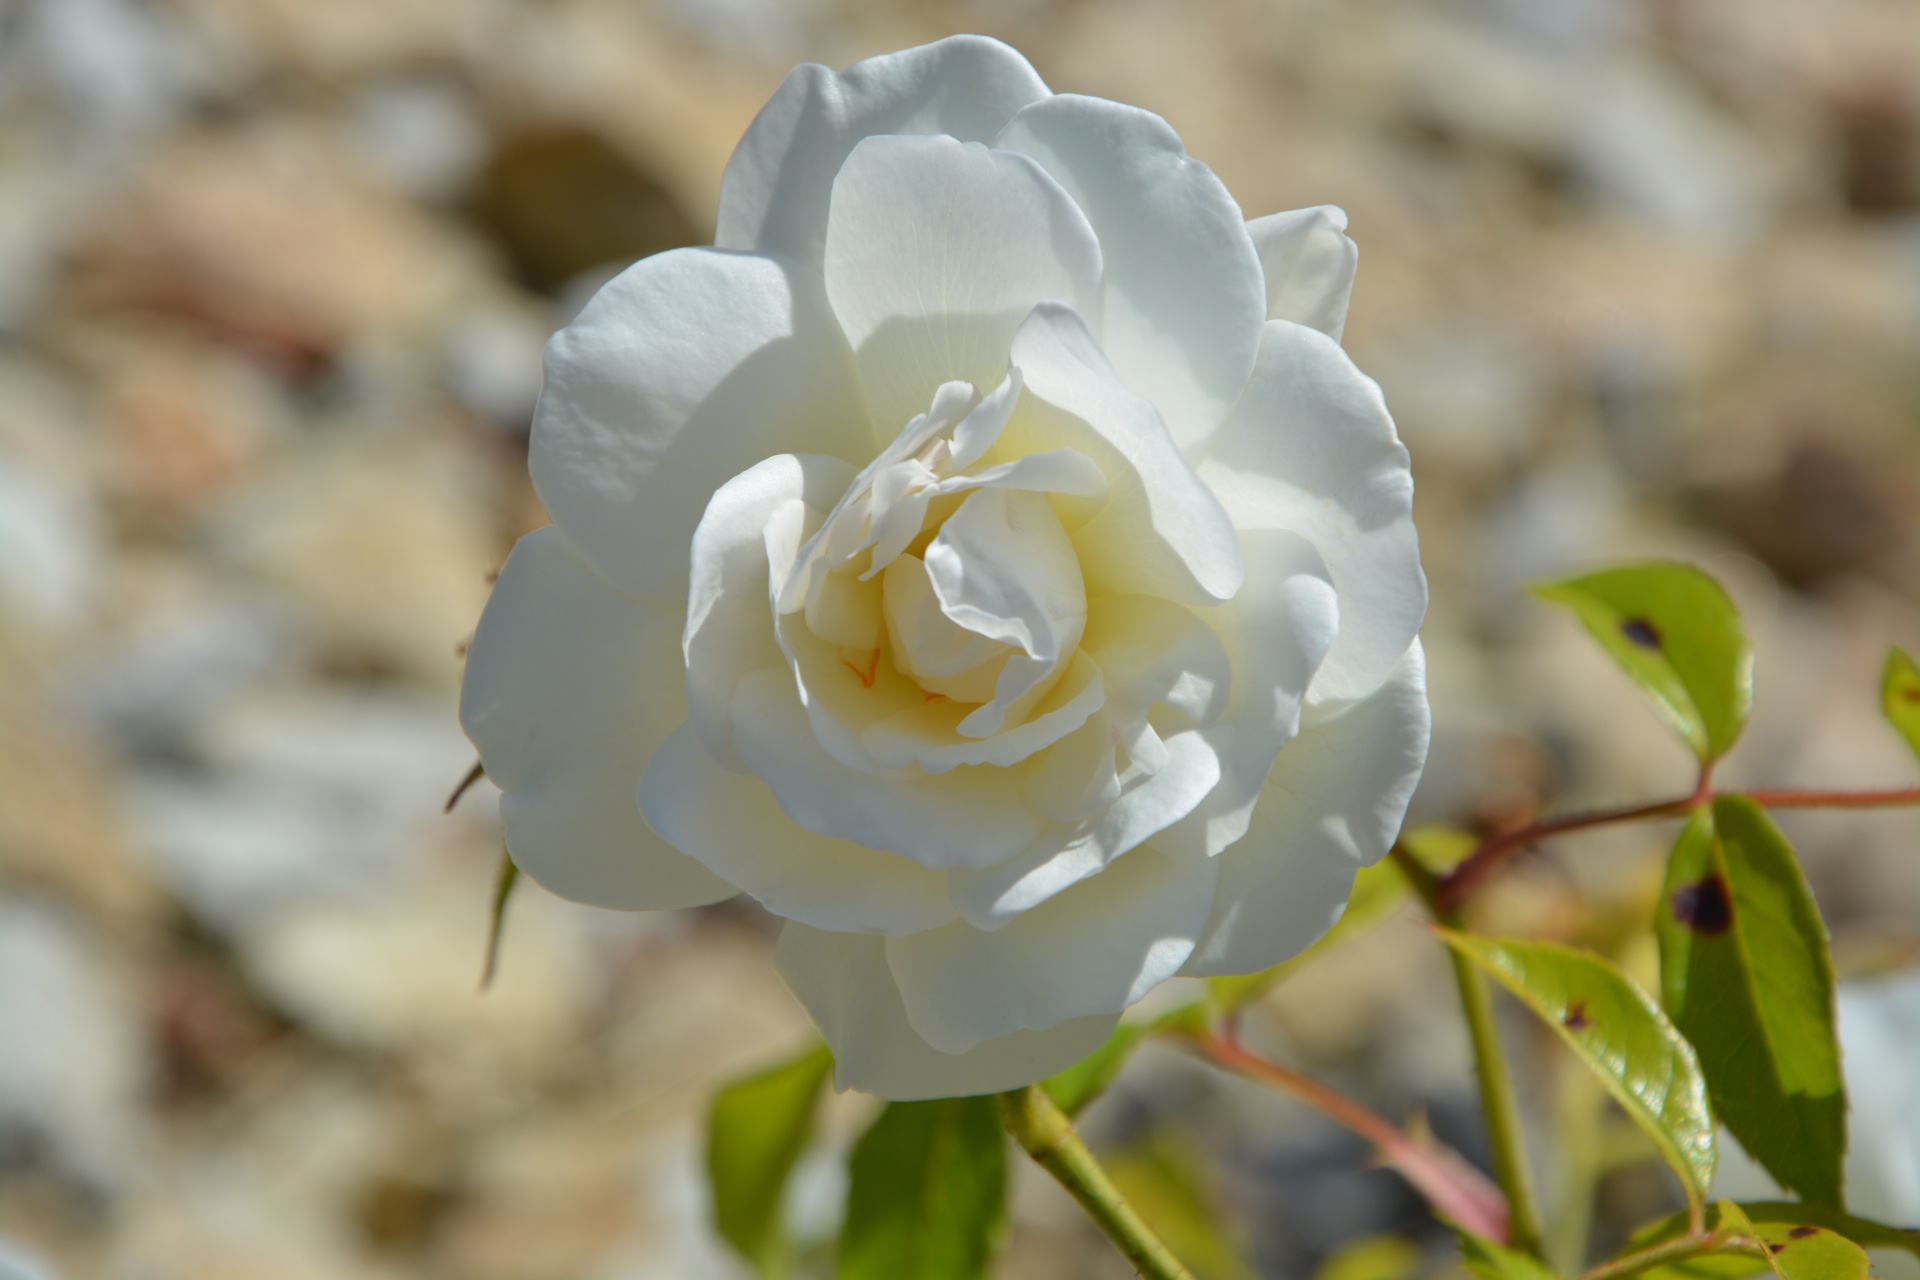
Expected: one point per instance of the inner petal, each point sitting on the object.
(943, 657)
(1003, 568)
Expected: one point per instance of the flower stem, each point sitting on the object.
(1500, 1104)
(1453, 1187)
(1497, 1098)
(1044, 1132)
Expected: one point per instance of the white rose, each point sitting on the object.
(985, 557)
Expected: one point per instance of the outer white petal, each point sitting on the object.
(569, 688)
(1308, 261)
(843, 980)
(1162, 532)
(686, 369)
(1333, 804)
(1094, 949)
(774, 195)
(1310, 449)
(1183, 302)
(732, 824)
(1277, 631)
(969, 816)
(936, 250)
(729, 628)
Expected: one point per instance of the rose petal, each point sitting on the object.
(936, 250)
(1003, 567)
(774, 195)
(966, 817)
(1146, 801)
(1094, 949)
(1334, 803)
(1162, 532)
(1310, 449)
(729, 629)
(686, 369)
(931, 737)
(1183, 303)
(733, 826)
(565, 699)
(1308, 262)
(1277, 631)
(844, 982)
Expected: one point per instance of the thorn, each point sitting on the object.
(502, 890)
(474, 775)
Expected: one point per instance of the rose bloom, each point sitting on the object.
(984, 556)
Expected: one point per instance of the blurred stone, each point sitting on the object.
(493, 363)
(290, 804)
(20, 1263)
(147, 696)
(1828, 511)
(201, 240)
(50, 551)
(71, 1077)
(562, 202)
(59, 828)
(187, 421)
(422, 135)
(404, 972)
(122, 67)
(383, 550)
(1879, 152)
(1662, 152)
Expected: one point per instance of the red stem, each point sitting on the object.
(1493, 852)
(1456, 1190)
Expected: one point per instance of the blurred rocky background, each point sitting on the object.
(1638, 277)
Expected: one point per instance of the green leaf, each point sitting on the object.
(1088, 1078)
(1675, 632)
(928, 1193)
(1377, 890)
(1900, 696)
(1437, 847)
(1862, 1231)
(1373, 1258)
(1622, 1037)
(1802, 1251)
(756, 1129)
(504, 883)
(1745, 975)
(1491, 1261)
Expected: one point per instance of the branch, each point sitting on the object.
(1456, 1190)
(1493, 852)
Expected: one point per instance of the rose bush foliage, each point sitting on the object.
(985, 556)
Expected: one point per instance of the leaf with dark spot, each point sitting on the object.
(1746, 976)
(1621, 1036)
(1900, 696)
(1673, 629)
(1704, 906)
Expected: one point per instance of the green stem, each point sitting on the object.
(1044, 1132)
(1578, 1109)
(1501, 1105)
(1678, 1249)
(1497, 1098)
